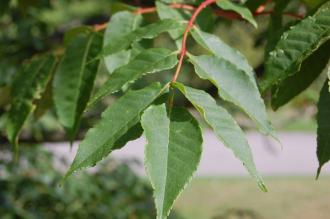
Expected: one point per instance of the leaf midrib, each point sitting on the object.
(81, 72)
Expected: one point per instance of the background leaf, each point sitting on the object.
(275, 26)
(172, 154)
(296, 45)
(26, 88)
(116, 120)
(323, 128)
(310, 69)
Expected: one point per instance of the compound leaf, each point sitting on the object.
(172, 154)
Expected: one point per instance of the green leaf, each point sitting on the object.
(225, 127)
(165, 12)
(296, 45)
(172, 154)
(275, 26)
(147, 32)
(116, 120)
(72, 34)
(27, 87)
(241, 10)
(148, 61)
(314, 3)
(120, 24)
(221, 50)
(74, 79)
(45, 102)
(235, 86)
(310, 69)
(323, 128)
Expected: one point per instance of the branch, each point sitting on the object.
(185, 35)
(221, 13)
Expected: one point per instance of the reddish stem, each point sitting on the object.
(185, 35)
(226, 14)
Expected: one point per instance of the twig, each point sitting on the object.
(226, 14)
(185, 35)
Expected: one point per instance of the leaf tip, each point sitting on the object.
(318, 172)
(66, 176)
(262, 186)
(254, 24)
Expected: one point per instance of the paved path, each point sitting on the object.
(296, 158)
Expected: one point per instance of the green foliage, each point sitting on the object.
(297, 60)
(148, 61)
(147, 32)
(133, 47)
(310, 69)
(172, 154)
(165, 12)
(120, 24)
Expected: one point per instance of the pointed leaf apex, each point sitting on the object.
(318, 172)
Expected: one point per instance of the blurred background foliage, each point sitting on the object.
(31, 189)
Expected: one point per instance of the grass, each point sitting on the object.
(288, 198)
